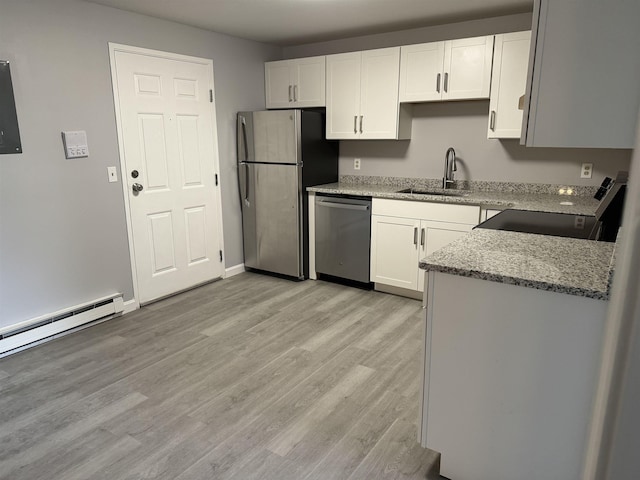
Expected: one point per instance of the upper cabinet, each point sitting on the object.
(362, 96)
(508, 84)
(295, 83)
(451, 70)
(584, 72)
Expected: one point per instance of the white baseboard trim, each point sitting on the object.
(233, 271)
(60, 323)
(130, 306)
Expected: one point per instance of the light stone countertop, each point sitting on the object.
(544, 202)
(557, 264)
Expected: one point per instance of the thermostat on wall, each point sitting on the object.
(75, 144)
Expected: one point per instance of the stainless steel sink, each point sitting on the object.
(442, 193)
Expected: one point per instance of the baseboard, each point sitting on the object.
(130, 306)
(233, 271)
(52, 325)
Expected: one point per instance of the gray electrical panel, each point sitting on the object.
(9, 132)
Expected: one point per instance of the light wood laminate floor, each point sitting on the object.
(252, 377)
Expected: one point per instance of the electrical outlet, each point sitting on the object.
(113, 174)
(587, 170)
(356, 164)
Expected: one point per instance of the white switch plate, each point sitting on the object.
(356, 164)
(75, 144)
(113, 174)
(587, 170)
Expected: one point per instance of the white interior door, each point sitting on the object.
(169, 147)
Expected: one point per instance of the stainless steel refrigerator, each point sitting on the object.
(280, 154)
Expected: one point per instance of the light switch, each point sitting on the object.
(113, 174)
(75, 144)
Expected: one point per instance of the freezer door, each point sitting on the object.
(271, 218)
(276, 137)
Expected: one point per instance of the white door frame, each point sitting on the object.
(116, 47)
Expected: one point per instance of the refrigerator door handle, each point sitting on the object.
(245, 143)
(244, 183)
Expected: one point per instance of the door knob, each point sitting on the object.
(137, 187)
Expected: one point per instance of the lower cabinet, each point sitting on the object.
(403, 232)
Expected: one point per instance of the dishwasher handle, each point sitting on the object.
(346, 206)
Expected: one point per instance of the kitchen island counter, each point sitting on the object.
(557, 264)
(514, 327)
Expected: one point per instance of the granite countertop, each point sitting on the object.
(557, 264)
(524, 200)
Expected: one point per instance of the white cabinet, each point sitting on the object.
(362, 96)
(451, 70)
(508, 370)
(583, 77)
(295, 83)
(395, 251)
(403, 232)
(508, 84)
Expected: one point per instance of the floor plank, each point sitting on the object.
(253, 377)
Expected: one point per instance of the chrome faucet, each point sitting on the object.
(449, 167)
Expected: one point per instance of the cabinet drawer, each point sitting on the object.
(439, 212)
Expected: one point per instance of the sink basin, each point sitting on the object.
(442, 193)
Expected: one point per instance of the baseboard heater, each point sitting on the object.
(37, 329)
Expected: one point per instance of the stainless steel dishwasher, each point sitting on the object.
(343, 236)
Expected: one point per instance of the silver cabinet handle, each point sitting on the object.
(360, 123)
(136, 187)
(438, 83)
(446, 82)
(355, 124)
(415, 236)
(290, 87)
(422, 234)
(295, 93)
(492, 121)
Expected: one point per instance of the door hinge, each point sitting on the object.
(216, 179)
(220, 255)
(211, 96)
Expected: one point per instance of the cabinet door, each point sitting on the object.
(583, 76)
(435, 235)
(508, 84)
(308, 88)
(379, 94)
(343, 95)
(394, 251)
(278, 84)
(467, 68)
(421, 69)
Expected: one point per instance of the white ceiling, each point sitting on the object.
(291, 22)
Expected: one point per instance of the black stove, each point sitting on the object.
(545, 223)
(602, 226)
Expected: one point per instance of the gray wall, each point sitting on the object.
(462, 125)
(63, 237)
